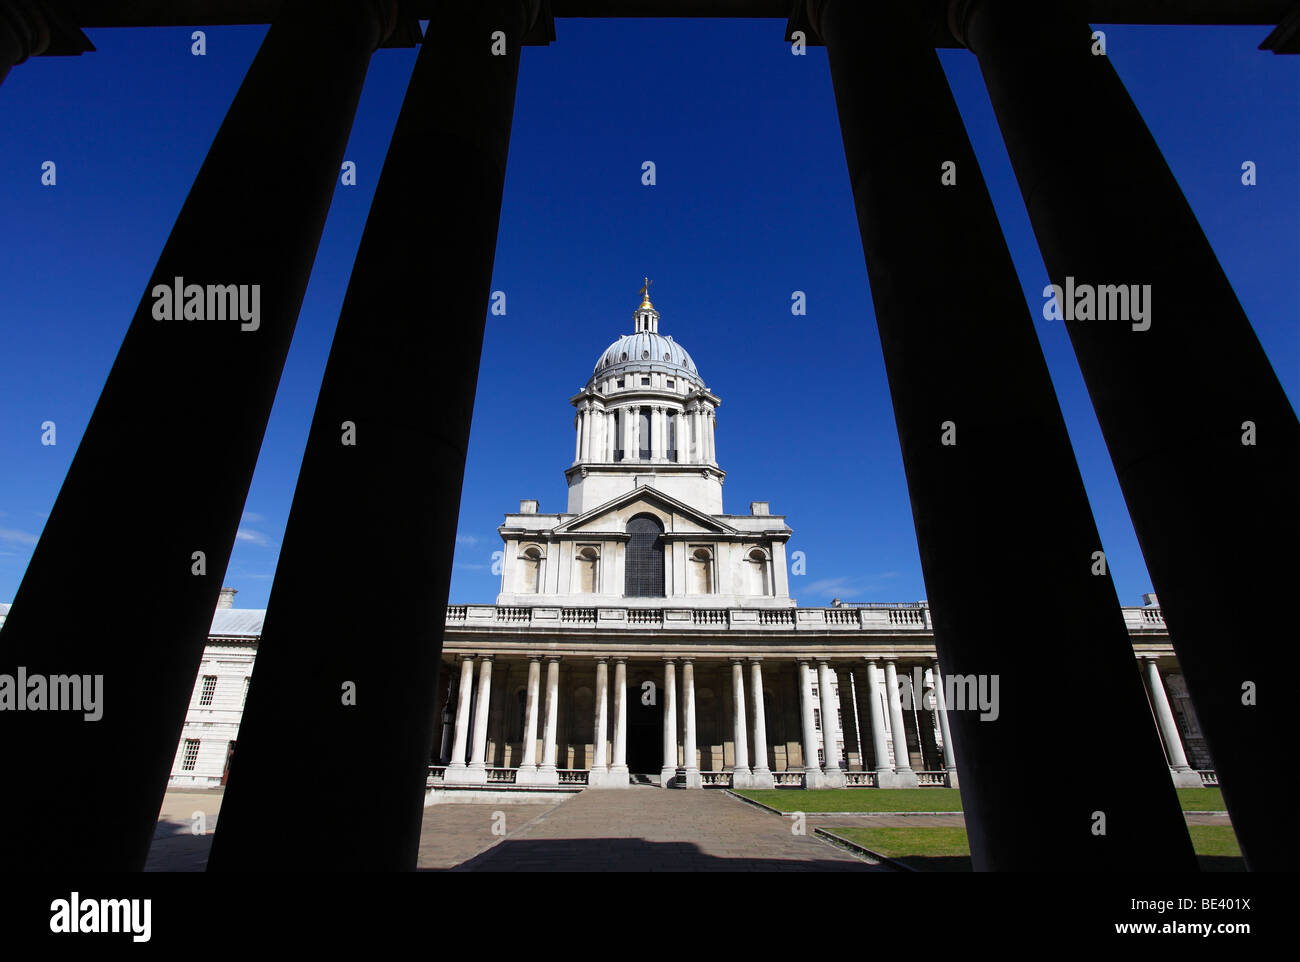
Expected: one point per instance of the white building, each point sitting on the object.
(645, 634)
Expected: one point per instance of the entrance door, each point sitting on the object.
(645, 732)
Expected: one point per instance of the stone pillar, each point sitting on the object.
(668, 773)
(528, 764)
(812, 772)
(934, 252)
(941, 706)
(546, 772)
(24, 32)
(710, 426)
(879, 744)
(618, 775)
(598, 436)
(683, 438)
(833, 776)
(611, 436)
(293, 112)
(629, 422)
(904, 777)
(692, 761)
(444, 171)
(697, 436)
(1133, 226)
(482, 715)
(1182, 773)
(464, 693)
(585, 428)
(600, 750)
(741, 776)
(763, 777)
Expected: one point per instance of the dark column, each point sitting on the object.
(360, 592)
(164, 466)
(1210, 511)
(1003, 508)
(24, 32)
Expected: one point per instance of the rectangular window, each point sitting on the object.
(191, 754)
(671, 384)
(817, 719)
(619, 383)
(209, 687)
(645, 382)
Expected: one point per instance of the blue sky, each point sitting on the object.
(752, 202)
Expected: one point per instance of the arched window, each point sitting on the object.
(701, 577)
(643, 570)
(530, 571)
(588, 571)
(758, 580)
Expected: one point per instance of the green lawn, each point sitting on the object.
(1216, 848)
(1201, 800)
(858, 799)
(944, 849)
(918, 799)
(938, 849)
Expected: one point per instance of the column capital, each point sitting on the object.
(619, 659)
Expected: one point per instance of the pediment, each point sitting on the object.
(677, 516)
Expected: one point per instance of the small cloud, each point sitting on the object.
(467, 539)
(252, 517)
(472, 567)
(16, 536)
(253, 537)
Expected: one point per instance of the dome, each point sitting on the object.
(643, 350)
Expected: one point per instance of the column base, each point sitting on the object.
(692, 779)
(547, 775)
(742, 778)
(608, 778)
(668, 778)
(465, 775)
(762, 778)
(526, 775)
(951, 779)
(1185, 778)
(817, 778)
(904, 779)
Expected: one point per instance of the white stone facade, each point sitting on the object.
(644, 633)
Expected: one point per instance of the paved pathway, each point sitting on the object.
(653, 830)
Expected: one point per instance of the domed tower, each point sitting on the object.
(645, 417)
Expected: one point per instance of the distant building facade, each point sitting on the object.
(644, 634)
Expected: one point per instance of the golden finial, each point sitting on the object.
(645, 295)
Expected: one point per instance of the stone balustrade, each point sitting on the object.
(882, 618)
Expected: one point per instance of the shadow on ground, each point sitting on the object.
(633, 855)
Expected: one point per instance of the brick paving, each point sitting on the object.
(653, 830)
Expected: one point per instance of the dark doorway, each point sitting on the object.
(225, 772)
(645, 731)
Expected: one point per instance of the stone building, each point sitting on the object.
(646, 635)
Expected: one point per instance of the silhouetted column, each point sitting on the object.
(1205, 444)
(160, 476)
(378, 493)
(992, 479)
(24, 32)
(1182, 773)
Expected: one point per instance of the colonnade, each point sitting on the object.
(684, 436)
